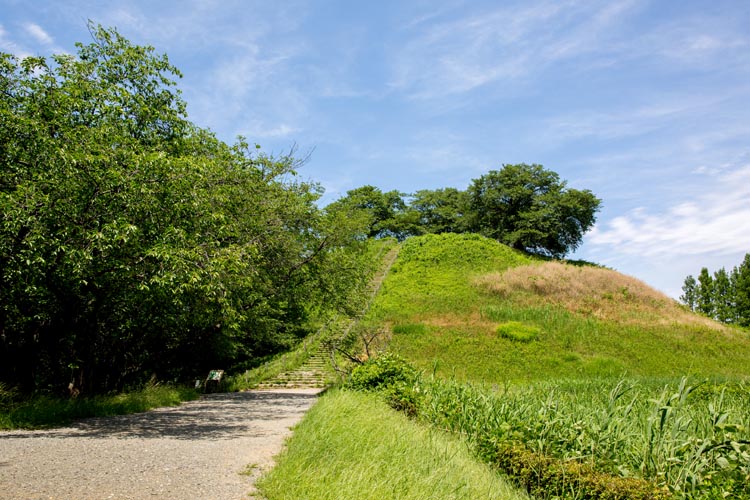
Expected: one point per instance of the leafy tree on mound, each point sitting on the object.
(385, 212)
(440, 210)
(529, 208)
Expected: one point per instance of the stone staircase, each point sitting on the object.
(317, 370)
(312, 374)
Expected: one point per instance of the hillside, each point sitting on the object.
(469, 307)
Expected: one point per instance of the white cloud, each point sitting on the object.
(38, 33)
(259, 130)
(717, 222)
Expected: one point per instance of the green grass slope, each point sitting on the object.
(351, 445)
(469, 307)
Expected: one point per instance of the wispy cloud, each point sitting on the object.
(502, 44)
(717, 222)
(10, 46)
(246, 83)
(260, 130)
(38, 33)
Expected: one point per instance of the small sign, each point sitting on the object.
(213, 381)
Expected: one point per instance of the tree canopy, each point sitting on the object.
(530, 208)
(134, 243)
(524, 206)
(723, 295)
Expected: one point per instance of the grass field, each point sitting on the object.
(351, 445)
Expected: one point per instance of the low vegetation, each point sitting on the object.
(590, 291)
(576, 381)
(45, 411)
(632, 438)
(351, 445)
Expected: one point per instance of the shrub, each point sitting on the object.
(397, 381)
(380, 373)
(547, 477)
(517, 331)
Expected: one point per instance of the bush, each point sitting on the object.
(395, 378)
(380, 373)
(517, 331)
(546, 477)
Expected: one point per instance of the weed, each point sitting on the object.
(517, 331)
(693, 447)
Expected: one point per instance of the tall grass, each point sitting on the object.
(352, 446)
(692, 439)
(45, 411)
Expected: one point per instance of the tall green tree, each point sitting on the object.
(689, 295)
(706, 293)
(386, 211)
(440, 210)
(134, 243)
(741, 280)
(723, 297)
(531, 209)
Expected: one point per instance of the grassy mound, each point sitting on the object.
(351, 445)
(447, 295)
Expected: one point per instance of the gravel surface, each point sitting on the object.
(213, 448)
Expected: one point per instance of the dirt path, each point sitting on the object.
(198, 450)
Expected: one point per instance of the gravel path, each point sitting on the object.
(213, 448)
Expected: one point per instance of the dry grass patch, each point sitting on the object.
(591, 291)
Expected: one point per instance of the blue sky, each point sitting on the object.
(646, 103)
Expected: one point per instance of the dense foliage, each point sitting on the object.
(133, 243)
(723, 296)
(524, 206)
(529, 208)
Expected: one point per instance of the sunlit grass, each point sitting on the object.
(592, 292)
(448, 294)
(691, 437)
(351, 445)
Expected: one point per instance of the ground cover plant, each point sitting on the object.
(351, 445)
(45, 411)
(447, 295)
